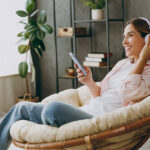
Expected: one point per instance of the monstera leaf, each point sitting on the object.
(30, 6)
(42, 17)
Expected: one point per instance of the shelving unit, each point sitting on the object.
(73, 38)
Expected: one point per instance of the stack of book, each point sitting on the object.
(96, 59)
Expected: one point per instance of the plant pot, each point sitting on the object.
(28, 97)
(97, 14)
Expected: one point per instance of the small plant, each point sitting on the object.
(35, 29)
(94, 4)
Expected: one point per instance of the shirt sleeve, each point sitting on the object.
(135, 87)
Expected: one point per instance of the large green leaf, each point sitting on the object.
(23, 48)
(40, 34)
(34, 13)
(32, 36)
(20, 34)
(31, 29)
(21, 13)
(38, 44)
(46, 28)
(30, 6)
(41, 44)
(32, 21)
(26, 35)
(39, 52)
(42, 17)
(27, 26)
(23, 69)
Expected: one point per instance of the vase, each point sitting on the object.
(97, 14)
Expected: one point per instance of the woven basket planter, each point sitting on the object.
(28, 97)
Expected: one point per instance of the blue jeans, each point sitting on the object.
(52, 113)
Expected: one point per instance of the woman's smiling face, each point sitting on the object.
(133, 42)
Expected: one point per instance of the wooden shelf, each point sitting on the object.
(67, 77)
(87, 21)
(77, 36)
(103, 20)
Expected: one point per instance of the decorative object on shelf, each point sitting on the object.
(35, 29)
(65, 31)
(99, 54)
(97, 8)
(80, 31)
(98, 59)
(68, 31)
(97, 14)
(71, 71)
(94, 63)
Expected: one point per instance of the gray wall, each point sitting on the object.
(133, 8)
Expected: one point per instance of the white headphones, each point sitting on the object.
(148, 22)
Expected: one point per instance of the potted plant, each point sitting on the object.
(35, 29)
(97, 7)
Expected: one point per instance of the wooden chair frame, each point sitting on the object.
(90, 139)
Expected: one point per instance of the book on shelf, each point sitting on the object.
(97, 59)
(94, 63)
(99, 54)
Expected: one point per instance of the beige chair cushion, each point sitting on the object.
(75, 97)
(26, 131)
(69, 96)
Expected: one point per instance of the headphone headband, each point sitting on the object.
(145, 19)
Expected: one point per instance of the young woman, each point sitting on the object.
(127, 83)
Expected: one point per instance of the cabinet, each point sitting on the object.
(73, 39)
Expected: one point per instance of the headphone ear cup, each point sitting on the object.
(146, 37)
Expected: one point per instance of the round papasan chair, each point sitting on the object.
(126, 128)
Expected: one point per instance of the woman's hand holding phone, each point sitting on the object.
(87, 80)
(84, 75)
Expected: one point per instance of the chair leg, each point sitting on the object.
(88, 143)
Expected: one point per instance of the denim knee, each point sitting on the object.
(49, 113)
(21, 108)
(20, 105)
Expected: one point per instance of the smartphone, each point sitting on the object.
(77, 62)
